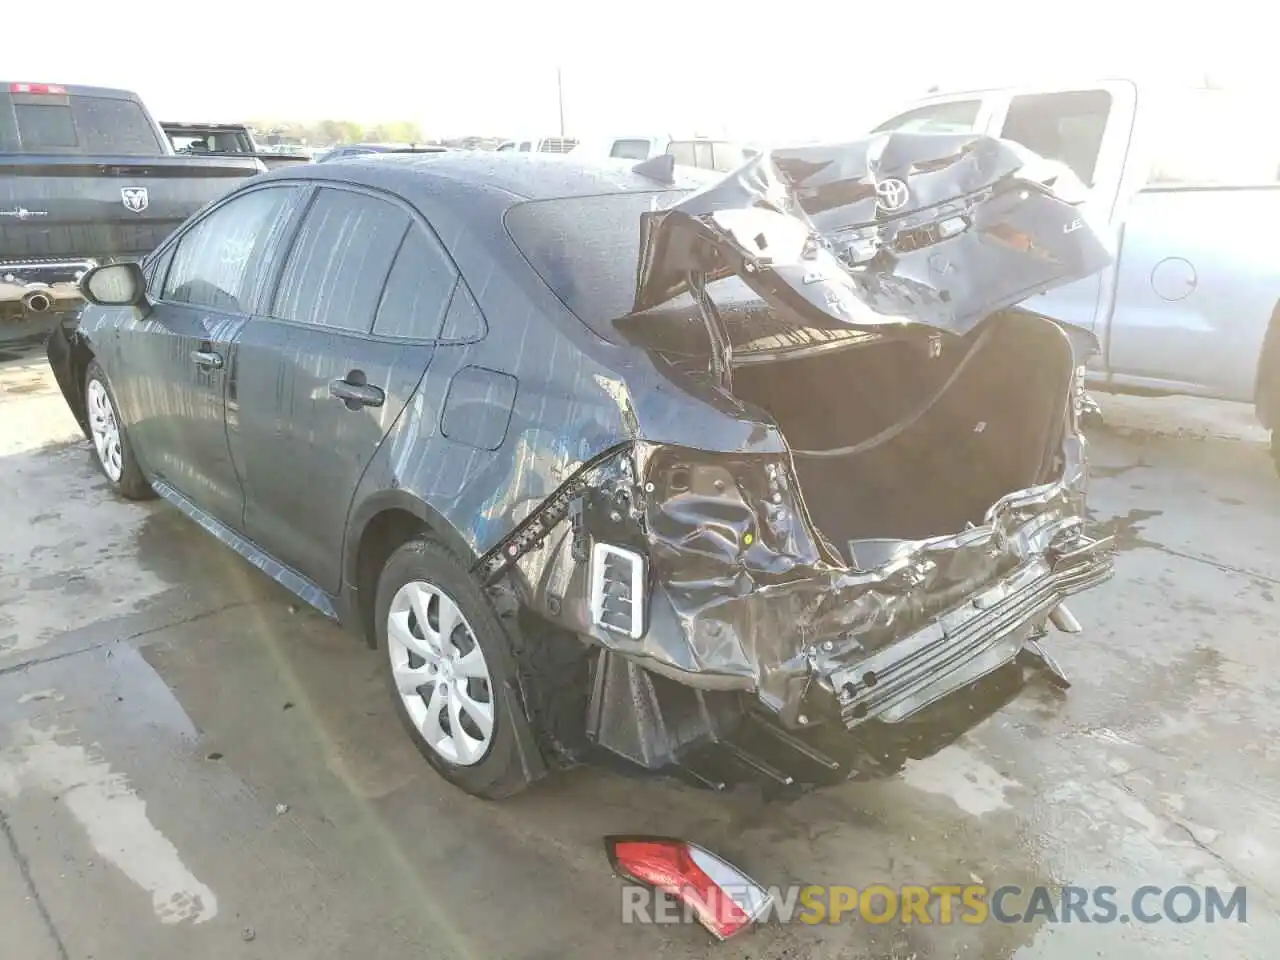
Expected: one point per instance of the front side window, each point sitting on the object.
(1067, 127)
(953, 116)
(1218, 138)
(219, 262)
(339, 262)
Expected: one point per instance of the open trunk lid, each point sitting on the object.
(890, 230)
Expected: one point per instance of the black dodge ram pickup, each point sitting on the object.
(86, 176)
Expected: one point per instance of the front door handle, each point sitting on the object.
(355, 393)
(206, 359)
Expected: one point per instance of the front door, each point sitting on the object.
(320, 379)
(172, 373)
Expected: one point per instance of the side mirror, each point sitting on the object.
(115, 285)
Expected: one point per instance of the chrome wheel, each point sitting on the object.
(440, 673)
(105, 429)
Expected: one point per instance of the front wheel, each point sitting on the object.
(450, 668)
(110, 441)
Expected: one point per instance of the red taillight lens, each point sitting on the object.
(52, 89)
(724, 899)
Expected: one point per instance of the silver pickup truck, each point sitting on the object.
(1186, 181)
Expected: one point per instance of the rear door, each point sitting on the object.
(320, 378)
(169, 372)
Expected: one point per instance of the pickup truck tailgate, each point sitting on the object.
(104, 207)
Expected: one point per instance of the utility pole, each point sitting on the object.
(560, 98)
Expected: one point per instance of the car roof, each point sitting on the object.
(481, 173)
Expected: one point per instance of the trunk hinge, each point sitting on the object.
(721, 362)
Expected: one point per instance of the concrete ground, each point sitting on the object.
(192, 766)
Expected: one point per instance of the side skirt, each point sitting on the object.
(288, 578)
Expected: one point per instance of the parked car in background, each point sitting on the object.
(223, 139)
(539, 145)
(706, 153)
(363, 149)
(645, 459)
(86, 176)
(1175, 177)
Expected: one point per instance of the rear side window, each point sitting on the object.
(418, 290)
(1189, 131)
(707, 154)
(683, 151)
(219, 261)
(586, 248)
(1067, 127)
(630, 149)
(76, 124)
(340, 260)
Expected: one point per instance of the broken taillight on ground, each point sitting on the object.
(719, 895)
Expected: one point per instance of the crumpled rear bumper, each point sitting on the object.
(989, 630)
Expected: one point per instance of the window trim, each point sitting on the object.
(175, 240)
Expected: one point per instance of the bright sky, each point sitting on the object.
(800, 68)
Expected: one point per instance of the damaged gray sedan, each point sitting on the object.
(725, 476)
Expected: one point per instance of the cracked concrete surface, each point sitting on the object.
(191, 765)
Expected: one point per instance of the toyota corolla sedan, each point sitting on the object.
(719, 474)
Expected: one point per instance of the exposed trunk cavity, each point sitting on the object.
(892, 441)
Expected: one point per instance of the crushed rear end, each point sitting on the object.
(812, 612)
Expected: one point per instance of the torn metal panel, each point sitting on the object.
(744, 591)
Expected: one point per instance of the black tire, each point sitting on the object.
(131, 484)
(499, 772)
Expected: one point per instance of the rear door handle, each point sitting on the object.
(206, 359)
(356, 395)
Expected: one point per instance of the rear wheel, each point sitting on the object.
(450, 668)
(110, 441)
